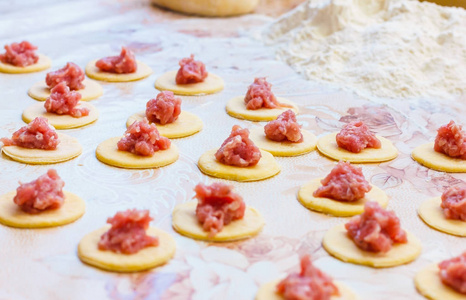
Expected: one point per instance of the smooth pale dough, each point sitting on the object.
(147, 258)
(11, 215)
(42, 64)
(61, 121)
(185, 222)
(187, 124)
(67, 149)
(327, 145)
(167, 82)
(432, 214)
(107, 152)
(308, 144)
(335, 207)
(142, 71)
(40, 91)
(265, 168)
(429, 284)
(237, 109)
(210, 8)
(337, 243)
(268, 292)
(427, 156)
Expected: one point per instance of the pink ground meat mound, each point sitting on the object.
(20, 54)
(143, 139)
(376, 229)
(284, 128)
(128, 232)
(260, 95)
(122, 64)
(344, 183)
(191, 71)
(62, 101)
(36, 135)
(238, 150)
(453, 273)
(71, 74)
(454, 202)
(217, 206)
(310, 284)
(164, 109)
(356, 136)
(41, 194)
(451, 140)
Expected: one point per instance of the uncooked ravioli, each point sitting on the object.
(432, 214)
(429, 284)
(236, 108)
(42, 64)
(167, 82)
(142, 71)
(92, 90)
(427, 156)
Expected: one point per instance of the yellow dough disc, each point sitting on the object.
(187, 124)
(67, 149)
(185, 222)
(61, 121)
(42, 64)
(337, 243)
(427, 156)
(308, 144)
(107, 152)
(265, 168)
(268, 292)
(429, 284)
(40, 91)
(327, 145)
(237, 109)
(147, 258)
(11, 215)
(142, 71)
(167, 82)
(335, 207)
(432, 214)
(210, 8)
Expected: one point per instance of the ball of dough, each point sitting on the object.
(210, 8)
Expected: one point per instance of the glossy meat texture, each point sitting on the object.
(376, 229)
(454, 202)
(453, 273)
(122, 64)
(20, 54)
(356, 136)
(451, 140)
(164, 109)
(284, 128)
(344, 183)
(217, 206)
(238, 150)
(191, 71)
(143, 139)
(310, 284)
(44, 193)
(128, 232)
(62, 101)
(71, 74)
(36, 135)
(259, 95)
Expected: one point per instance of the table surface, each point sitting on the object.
(42, 264)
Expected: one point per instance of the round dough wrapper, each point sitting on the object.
(209, 8)
(40, 91)
(335, 207)
(327, 145)
(308, 144)
(11, 215)
(429, 284)
(147, 258)
(337, 243)
(237, 109)
(427, 156)
(42, 64)
(267, 292)
(186, 223)
(265, 168)
(142, 71)
(61, 121)
(67, 149)
(187, 124)
(107, 152)
(432, 214)
(212, 84)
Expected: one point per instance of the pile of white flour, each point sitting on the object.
(383, 48)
